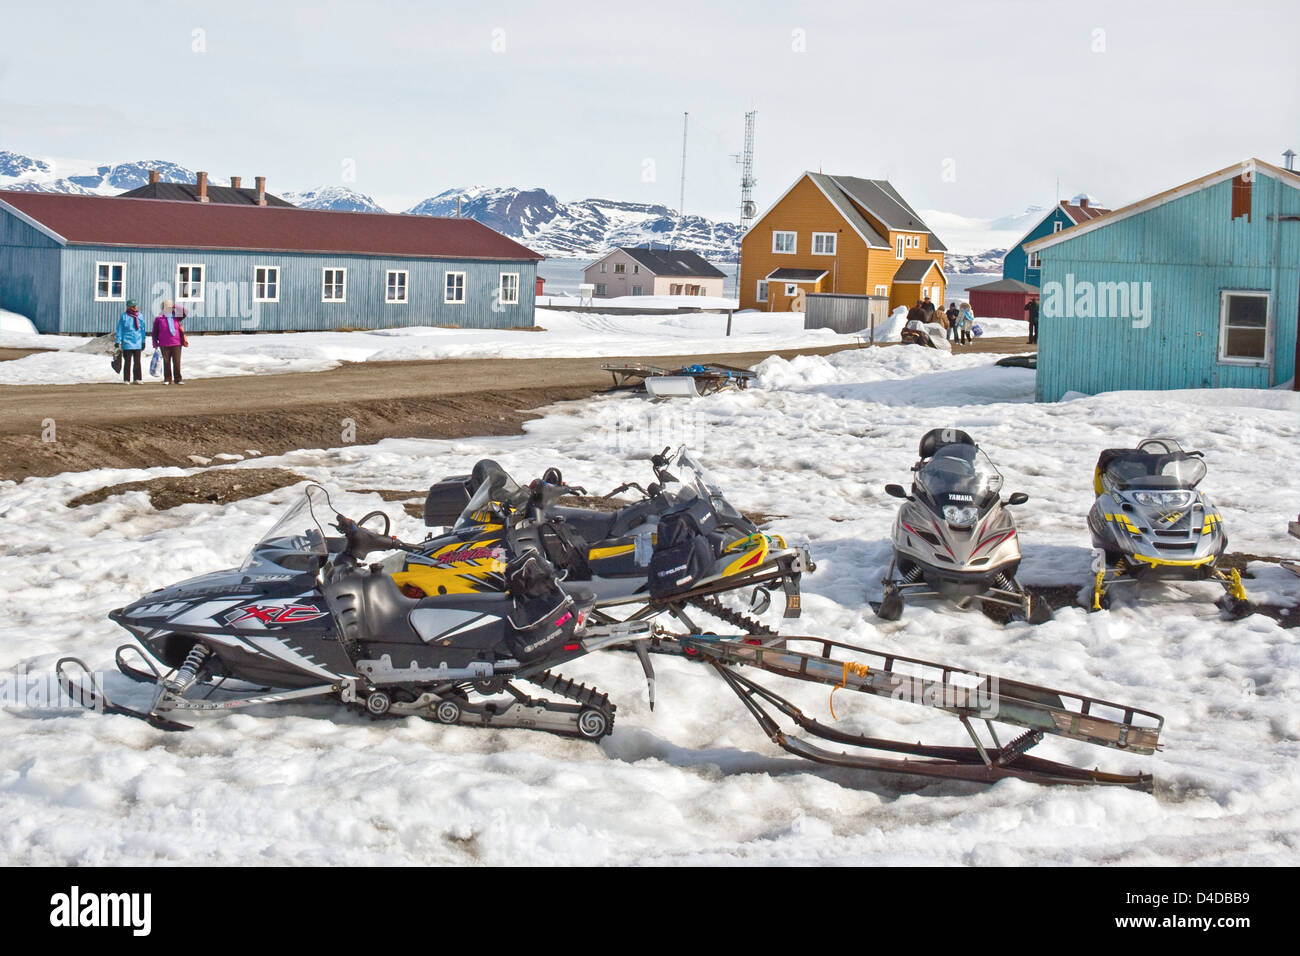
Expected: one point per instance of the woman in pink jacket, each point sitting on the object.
(169, 336)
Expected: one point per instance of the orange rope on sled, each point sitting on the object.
(850, 667)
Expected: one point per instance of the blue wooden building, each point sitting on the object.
(1196, 287)
(69, 263)
(1023, 266)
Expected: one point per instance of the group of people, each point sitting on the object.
(168, 336)
(958, 320)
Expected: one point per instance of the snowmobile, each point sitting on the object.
(954, 538)
(1149, 522)
(304, 617)
(681, 542)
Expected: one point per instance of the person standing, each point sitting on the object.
(130, 339)
(1031, 310)
(169, 336)
(953, 314)
(967, 320)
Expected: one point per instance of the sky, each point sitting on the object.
(975, 107)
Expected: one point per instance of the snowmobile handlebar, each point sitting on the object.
(362, 541)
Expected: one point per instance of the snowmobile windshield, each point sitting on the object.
(496, 488)
(698, 482)
(960, 474)
(297, 539)
(1143, 470)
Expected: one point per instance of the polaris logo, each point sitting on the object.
(75, 909)
(545, 640)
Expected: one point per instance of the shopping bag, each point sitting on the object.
(977, 329)
(117, 359)
(155, 362)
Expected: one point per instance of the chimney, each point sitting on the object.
(234, 182)
(203, 186)
(1083, 202)
(153, 177)
(1288, 159)
(261, 189)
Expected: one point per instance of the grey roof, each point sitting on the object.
(796, 275)
(1005, 285)
(190, 191)
(674, 262)
(881, 200)
(913, 270)
(849, 211)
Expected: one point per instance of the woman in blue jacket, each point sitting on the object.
(130, 339)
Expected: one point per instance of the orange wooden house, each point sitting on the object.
(840, 234)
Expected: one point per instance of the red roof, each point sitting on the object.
(1081, 213)
(114, 221)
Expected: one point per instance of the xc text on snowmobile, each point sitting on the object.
(953, 537)
(1150, 522)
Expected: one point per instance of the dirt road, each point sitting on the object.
(47, 429)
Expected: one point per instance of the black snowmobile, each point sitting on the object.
(954, 538)
(305, 617)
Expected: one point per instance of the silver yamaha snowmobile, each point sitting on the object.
(304, 617)
(1150, 522)
(954, 538)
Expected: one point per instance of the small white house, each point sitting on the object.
(633, 271)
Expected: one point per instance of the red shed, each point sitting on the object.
(1004, 299)
(540, 282)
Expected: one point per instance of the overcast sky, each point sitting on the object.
(1007, 98)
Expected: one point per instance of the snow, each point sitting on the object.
(695, 781)
(568, 334)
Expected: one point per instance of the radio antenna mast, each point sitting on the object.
(747, 208)
(681, 198)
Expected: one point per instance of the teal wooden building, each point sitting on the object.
(69, 263)
(1021, 265)
(1196, 287)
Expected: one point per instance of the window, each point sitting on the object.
(619, 268)
(395, 286)
(882, 290)
(109, 286)
(1057, 226)
(636, 290)
(600, 288)
(334, 285)
(266, 284)
(454, 288)
(602, 267)
(636, 270)
(792, 288)
(1034, 261)
(189, 283)
(509, 288)
(899, 250)
(761, 294)
(785, 242)
(675, 288)
(1243, 327)
(824, 243)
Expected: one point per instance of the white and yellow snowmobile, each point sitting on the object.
(1150, 522)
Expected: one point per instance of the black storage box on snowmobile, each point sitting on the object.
(686, 546)
(447, 499)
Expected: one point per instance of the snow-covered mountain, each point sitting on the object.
(18, 171)
(587, 227)
(332, 197)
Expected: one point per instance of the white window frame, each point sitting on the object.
(121, 282)
(1057, 226)
(448, 301)
(601, 289)
(882, 290)
(899, 247)
(1224, 296)
(620, 268)
(326, 270)
(791, 289)
(264, 282)
(501, 289)
(761, 291)
(406, 286)
(602, 267)
(1033, 261)
(636, 269)
(202, 283)
(834, 243)
(794, 242)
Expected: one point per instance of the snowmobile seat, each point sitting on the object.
(587, 523)
(937, 438)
